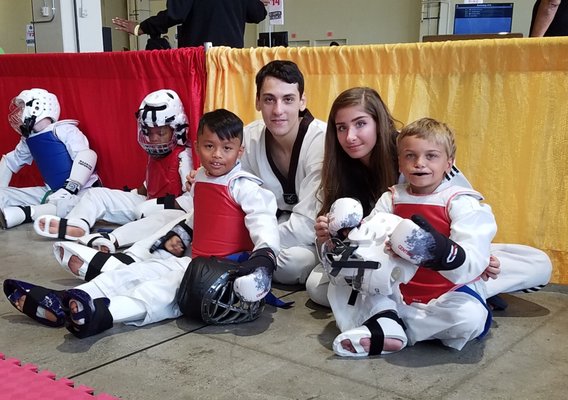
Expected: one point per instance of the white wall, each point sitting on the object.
(355, 21)
(70, 26)
(89, 22)
(14, 15)
(111, 9)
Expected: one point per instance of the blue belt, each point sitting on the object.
(470, 291)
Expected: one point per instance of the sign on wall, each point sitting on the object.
(276, 12)
(30, 35)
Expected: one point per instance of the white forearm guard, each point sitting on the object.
(82, 169)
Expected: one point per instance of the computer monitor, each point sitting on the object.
(479, 18)
(277, 39)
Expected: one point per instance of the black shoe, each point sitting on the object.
(496, 303)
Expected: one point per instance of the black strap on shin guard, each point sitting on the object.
(62, 229)
(377, 333)
(103, 235)
(353, 297)
(62, 232)
(124, 258)
(99, 261)
(28, 213)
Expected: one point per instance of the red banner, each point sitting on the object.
(103, 91)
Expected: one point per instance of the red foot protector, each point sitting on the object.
(24, 382)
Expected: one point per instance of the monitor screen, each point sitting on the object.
(277, 39)
(479, 18)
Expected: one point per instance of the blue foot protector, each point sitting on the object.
(37, 296)
(92, 316)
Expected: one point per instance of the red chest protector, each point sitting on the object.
(162, 175)
(426, 283)
(219, 225)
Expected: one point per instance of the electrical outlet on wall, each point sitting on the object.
(45, 11)
(84, 12)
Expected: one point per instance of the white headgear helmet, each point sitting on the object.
(362, 262)
(31, 106)
(161, 108)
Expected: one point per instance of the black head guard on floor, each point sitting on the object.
(206, 293)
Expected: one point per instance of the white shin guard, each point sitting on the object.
(63, 252)
(42, 209)
(98, 240)
(14, 216)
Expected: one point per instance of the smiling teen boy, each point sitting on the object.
(285, 149)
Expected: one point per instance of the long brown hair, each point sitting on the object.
(343, 176)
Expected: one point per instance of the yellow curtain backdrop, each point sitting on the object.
(506, 99)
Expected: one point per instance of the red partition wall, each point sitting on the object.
(103, 91)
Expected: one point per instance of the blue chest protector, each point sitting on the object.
(51, 157)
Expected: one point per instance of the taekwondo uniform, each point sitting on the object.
(295, 194)
(54, 150)
(145, 292)
(431, 304)
(165, 175)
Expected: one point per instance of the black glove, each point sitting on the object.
(447, 254)
(263, 257)
(182, 231)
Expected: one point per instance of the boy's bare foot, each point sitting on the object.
(74, 308)
(389, 345)
(54, 228)
(74, 263)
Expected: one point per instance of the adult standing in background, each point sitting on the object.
(549, 18)
(221, 22)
